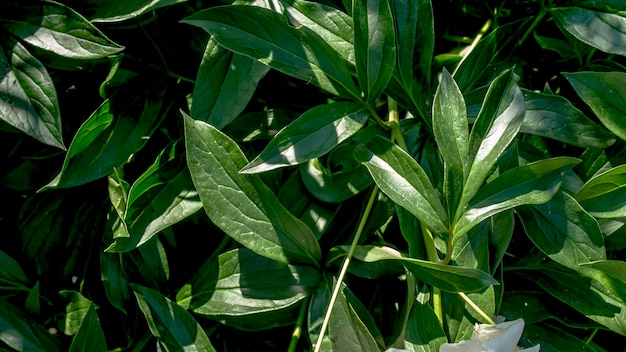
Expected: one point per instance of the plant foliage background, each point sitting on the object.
(294, 175)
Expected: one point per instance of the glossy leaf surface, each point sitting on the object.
(603, 195)
(115, 11)
(242, 205)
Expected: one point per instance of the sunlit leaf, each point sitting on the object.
(242, 205)
(311, 135)
(266, 36)
(89, 336)
(603, 195)
(115, 11)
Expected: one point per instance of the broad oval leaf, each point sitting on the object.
(117, 129)
(605, 94)
(242, 205)
(497, 124)
(446, 277)
(311, 135)
(170, 323)
(374, 45)
(58, 30)
(266, 36)
(564, 231)
(602, 30)
(224, 85)
(248, 291)
(534, 183)
(331, 24)
(28, 99)
(604, 196)
(162, 196)
(403, 180)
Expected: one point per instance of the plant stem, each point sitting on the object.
(437, 307)
(297, 330)
(591, 336)
(542, 13)
(344, 267)
(476, 308)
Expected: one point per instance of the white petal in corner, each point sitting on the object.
(502, 337)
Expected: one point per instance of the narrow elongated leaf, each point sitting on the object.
(248, 291)
(497, 124)
(28, 99)
(114, 280)
(350, 327)
(171, 324)
(452, 136)
(469, 72)
(116, 130)
(266, 36)
(534, 183)
(402, 179)
(555, 117)
(602, 30)
(406, 15)
(446, 277)
(605, 94)
(564, 231)
(115, 11)
(21, 333)
(311, 135)
(331, 24)
(90, 336)
(604, 195)
(224, 85)
(11, 273)
(242, 205)
(423, 331)
(374, 45)
(162, 196)
(57, 29)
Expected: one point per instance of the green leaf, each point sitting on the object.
(331, 24)
(423, 331)
(555, 117)
(602, 30)
(162, 196)
(552, 338)
(116, 11)
(313, 134)
(610, 273)
(586, 295)
(21, 333)
(603, 196)
(117, 129)
(224, 85)
(332, 186)
(350, 327)
(28, 99)
(171, 324)
(534, 183)
(75, 311)
(374, 45)
(248, 291)
(11, 273)
(474, 66)
(564, 231)
(497, 124)
(451, 134)
(401, 178)
(114, 280)
(90, 336)
(56, 29)
(446, 277)
(605, 94)
(242, 205)
(266, 36)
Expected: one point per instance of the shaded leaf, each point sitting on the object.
(248, 291)
(224, 85)
(610, 273)
(21, 333)
(534, 183)
(605, 93)
(603, 196)
(242, 205)
(11, 273)
(374, 45)
(313, 134)
(90, 336)
(115, 131)
(480, 60)
(266, 36)
(171, 324)
(115, 11)
(401, 178)
(423, 331)
(28, 99)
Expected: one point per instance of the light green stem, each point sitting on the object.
(297, 330)
(344, 267)
(476, 308)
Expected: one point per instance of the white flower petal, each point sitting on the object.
(531, 349)
(463, 346)
(505, 339)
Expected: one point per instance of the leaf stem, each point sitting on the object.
(297, 330)
(344, 267)
(477, 38)
(476, 308)
(393, 122)
(591, 336)
(542, 13)
(437, 306)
